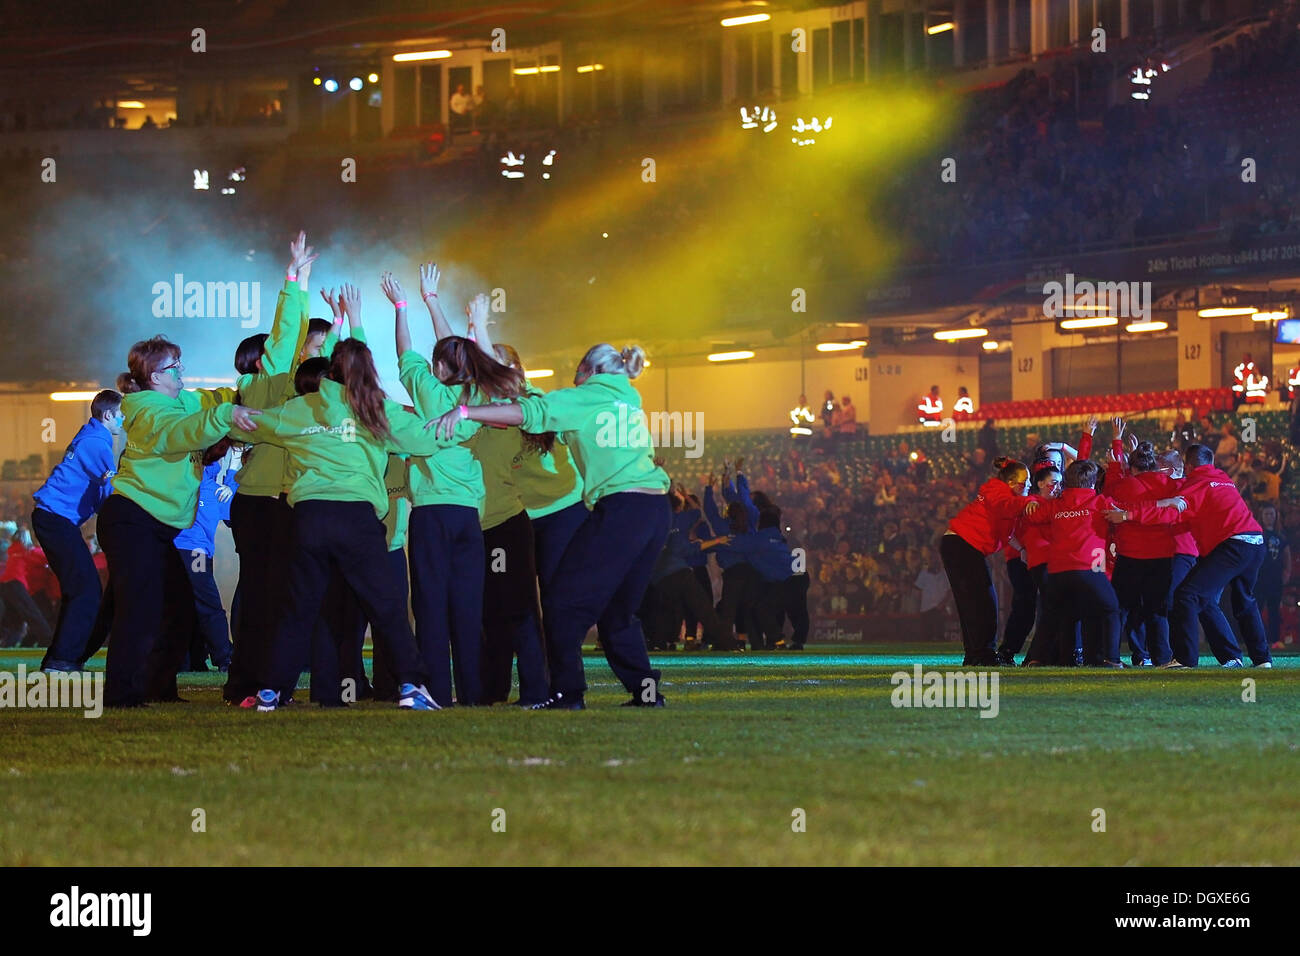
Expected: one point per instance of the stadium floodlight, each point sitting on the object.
(800, 430)
(72, 396)
(748, 18)
(315, 81)
(331, 85)
(1092, 322)
(841, 346)
(1146, 326)
(941, 28)
(355, 83)
(1269, 316)
(737, 356)
(130, 105)
(372, 78)
(591, 67)
(990, 345)
(952, 335)
(527, 71)
(540, 372)
(421, 55)
(1220, 312)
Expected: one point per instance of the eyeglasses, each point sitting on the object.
(175, 365)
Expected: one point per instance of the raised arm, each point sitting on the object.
(336, 308)
(350, 299)
(478, 310)
(429, 276)
(401, 328)
(289, 328)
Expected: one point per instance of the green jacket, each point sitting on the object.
(332, 457)
(605, 429)
(398, 518)
(263, 470)
(547, 482)
(453, 476)
(162, 464)
(498, 451)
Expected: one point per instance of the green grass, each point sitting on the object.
(1186, 772)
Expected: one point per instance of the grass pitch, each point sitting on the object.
(1186, 772)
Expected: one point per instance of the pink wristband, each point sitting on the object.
(464, 411)
(434, 294)
(399, 305)
(290, 277)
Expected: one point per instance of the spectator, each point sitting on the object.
(1225, 453)
(460, 105)
(935, 590)
(846, 422)
(988, 440)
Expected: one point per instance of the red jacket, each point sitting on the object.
(1184, 542)
(1077, 530)
(985, 523)
(28, 567)
(1034, 537)
(1215, 509)
(1134, 540)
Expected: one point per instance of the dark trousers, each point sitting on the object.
(701, 574)
(1087, 596)
(99, 631)
(336, 651)
(70, 560)
(20, 607)
(1235, 565)
(383, 677)
(446, 555)
(1046, 645)
(977, 602)
(1270, 602)
(211, 615)
(551, 536)
(736, 606)
(345, 535)
(149, 587)
(1143, 586)
(1024, 608)
(262, 529)
(601, 580)
(511, 617)
(677, 595)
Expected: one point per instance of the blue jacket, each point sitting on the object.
(202, 535)
(739, 491)
(727, 557)
(765, 550)
(685, 521)
(79, 484)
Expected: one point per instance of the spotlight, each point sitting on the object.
(355, 83)
(331, 86)
(315, 81)
(373, 78)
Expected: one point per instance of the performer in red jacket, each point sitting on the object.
(1079, 528)
(1231, 546)
(1035, 543)
(978, 530)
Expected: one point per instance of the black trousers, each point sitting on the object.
(210, 615)
(345, 535)
(678, 595)
(70, 560)
(1270, 602)
(977, 602)
(99, 631)
(512, 628)
(337, 642)
(1142, 587)
(701, 574)
(1086, 596)
(1235, 565)
(446, 554)
(19, 607)
(262, 529)
(601, 580)
(150, 587)
(1024, 607)
(1045, 648)
(736, 606)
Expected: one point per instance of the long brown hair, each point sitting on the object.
(470, 368)
(145, 358)
(353, 367)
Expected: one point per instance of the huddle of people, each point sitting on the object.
(1142, 553)
(763, 581)
(520, 523)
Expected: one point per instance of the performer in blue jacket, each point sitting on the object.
(75, 489)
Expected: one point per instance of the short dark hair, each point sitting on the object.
(319, 327)
(307, 379)
(106, 401)
(248, 352)
(1197, 455)
(769, 517)
(1082, 474)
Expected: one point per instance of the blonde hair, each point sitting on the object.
(604, 359)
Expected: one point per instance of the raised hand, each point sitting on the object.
(300, 254)
(392, 288)
(332, 299)
(429, 276)
(1117, 424)
(350, 300)
(478, 310)
(1091, 426)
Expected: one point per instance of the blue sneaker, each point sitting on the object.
(1145, 662)
(63, 667)
(411, 697)
(1233, 662)
(268, 700)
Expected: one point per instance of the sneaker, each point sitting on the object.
(1265, 664)
(558, 701)
(410, 697)
(1145, 662)
(1117, 665)
(1174, 666)
(1005, 660)
(267, 700)
(247, 703)
(1033, 664)
(66, 667)
(1233, 662)
(638, 702)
